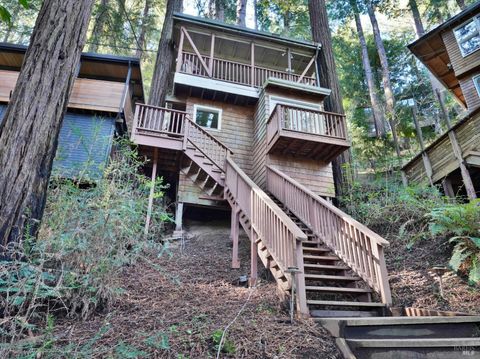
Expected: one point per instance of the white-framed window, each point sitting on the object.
(468, 36)
(476, 82)
(208, 117)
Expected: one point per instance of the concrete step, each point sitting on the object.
(428, 348)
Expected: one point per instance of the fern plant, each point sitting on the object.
(463, 222)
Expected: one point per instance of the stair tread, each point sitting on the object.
(321, 257)
(416, 342)
(338, 289)
(324, 266)
(331, 277)
(345, 303)
(313, 249)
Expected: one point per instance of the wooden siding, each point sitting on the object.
(316, 176)
(87, 94)
(470, 92)
(236, 129)
(259, 150)
(461, 65)
(441, 153)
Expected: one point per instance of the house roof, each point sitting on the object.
(431, 51)
(234, 29)
(96, 66)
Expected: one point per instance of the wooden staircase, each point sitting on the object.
(332, 288)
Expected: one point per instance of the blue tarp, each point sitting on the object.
(84, 145)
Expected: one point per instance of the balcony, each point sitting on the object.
(306, 133)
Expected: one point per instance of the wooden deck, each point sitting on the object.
(306, 133)
(438, 160)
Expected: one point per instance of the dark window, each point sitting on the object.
(468, 36)
(206, 117)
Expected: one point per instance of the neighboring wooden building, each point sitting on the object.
(245, 129)
(451, 53)
(101, 106)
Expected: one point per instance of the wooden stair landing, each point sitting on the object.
(332, 288)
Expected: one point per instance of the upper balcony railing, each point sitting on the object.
(235, 72)
(314, 122)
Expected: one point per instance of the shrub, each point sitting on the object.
(87, 237)
(463, 222)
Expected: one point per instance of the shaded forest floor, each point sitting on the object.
(177, 306)
(413, 283)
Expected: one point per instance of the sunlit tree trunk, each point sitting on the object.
(420, 31)
(30, 128)
(98, 25)
(377, 110)
(219, 6)
(241, 12)
(162, 74)
(387, 86)
(142, 37)
(328, 75)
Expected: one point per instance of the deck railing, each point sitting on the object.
(315, 122)
(270, 224)
(359, 247)
(236, 72)
(161, 121)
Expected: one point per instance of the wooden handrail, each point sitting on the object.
(358, 246)
(270, 224)
(220, 143)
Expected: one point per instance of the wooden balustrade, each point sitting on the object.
(271, 225)
(236, 72)
(209, 145)
(159, 120)
(359, 247)
(314, 122)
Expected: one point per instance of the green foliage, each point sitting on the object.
(5, 15)
(463, 222)
(228, 346)
(87, 237)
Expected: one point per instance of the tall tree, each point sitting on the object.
(241, 12)
(142, 37)
(162, 74)
(327, 73)
(387, 86)
(220, 10)
(30, 128)
(98, 25)
(377, 108)
(461, 4)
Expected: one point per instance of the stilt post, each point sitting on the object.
(152, 190)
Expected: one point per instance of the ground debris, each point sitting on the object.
(172, 306)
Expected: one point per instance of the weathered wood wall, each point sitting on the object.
(87, 94)
(441, 153)
(461, 65)
(470, 92)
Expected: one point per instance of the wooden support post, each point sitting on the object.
(252, 64)
(253, 258)
(448, 188)
(180, 52)
(212, 52)
(426, 160)
(289, 62)
(302, 307)
(457, 151)
(234, 234)
(179, 217)
(152, 190)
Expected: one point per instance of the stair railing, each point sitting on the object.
(359, 247)
(271, 225)
(208, 144)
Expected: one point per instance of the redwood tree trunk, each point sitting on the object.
(162, 74)
(461, 4)
(387, 86)
(30, 128)
(98, 26)
(142, 37)
(328, 75)
(241, 12)
(378, 115)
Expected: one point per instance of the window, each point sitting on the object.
(208, 117)
(468, 36)
(476, 81)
